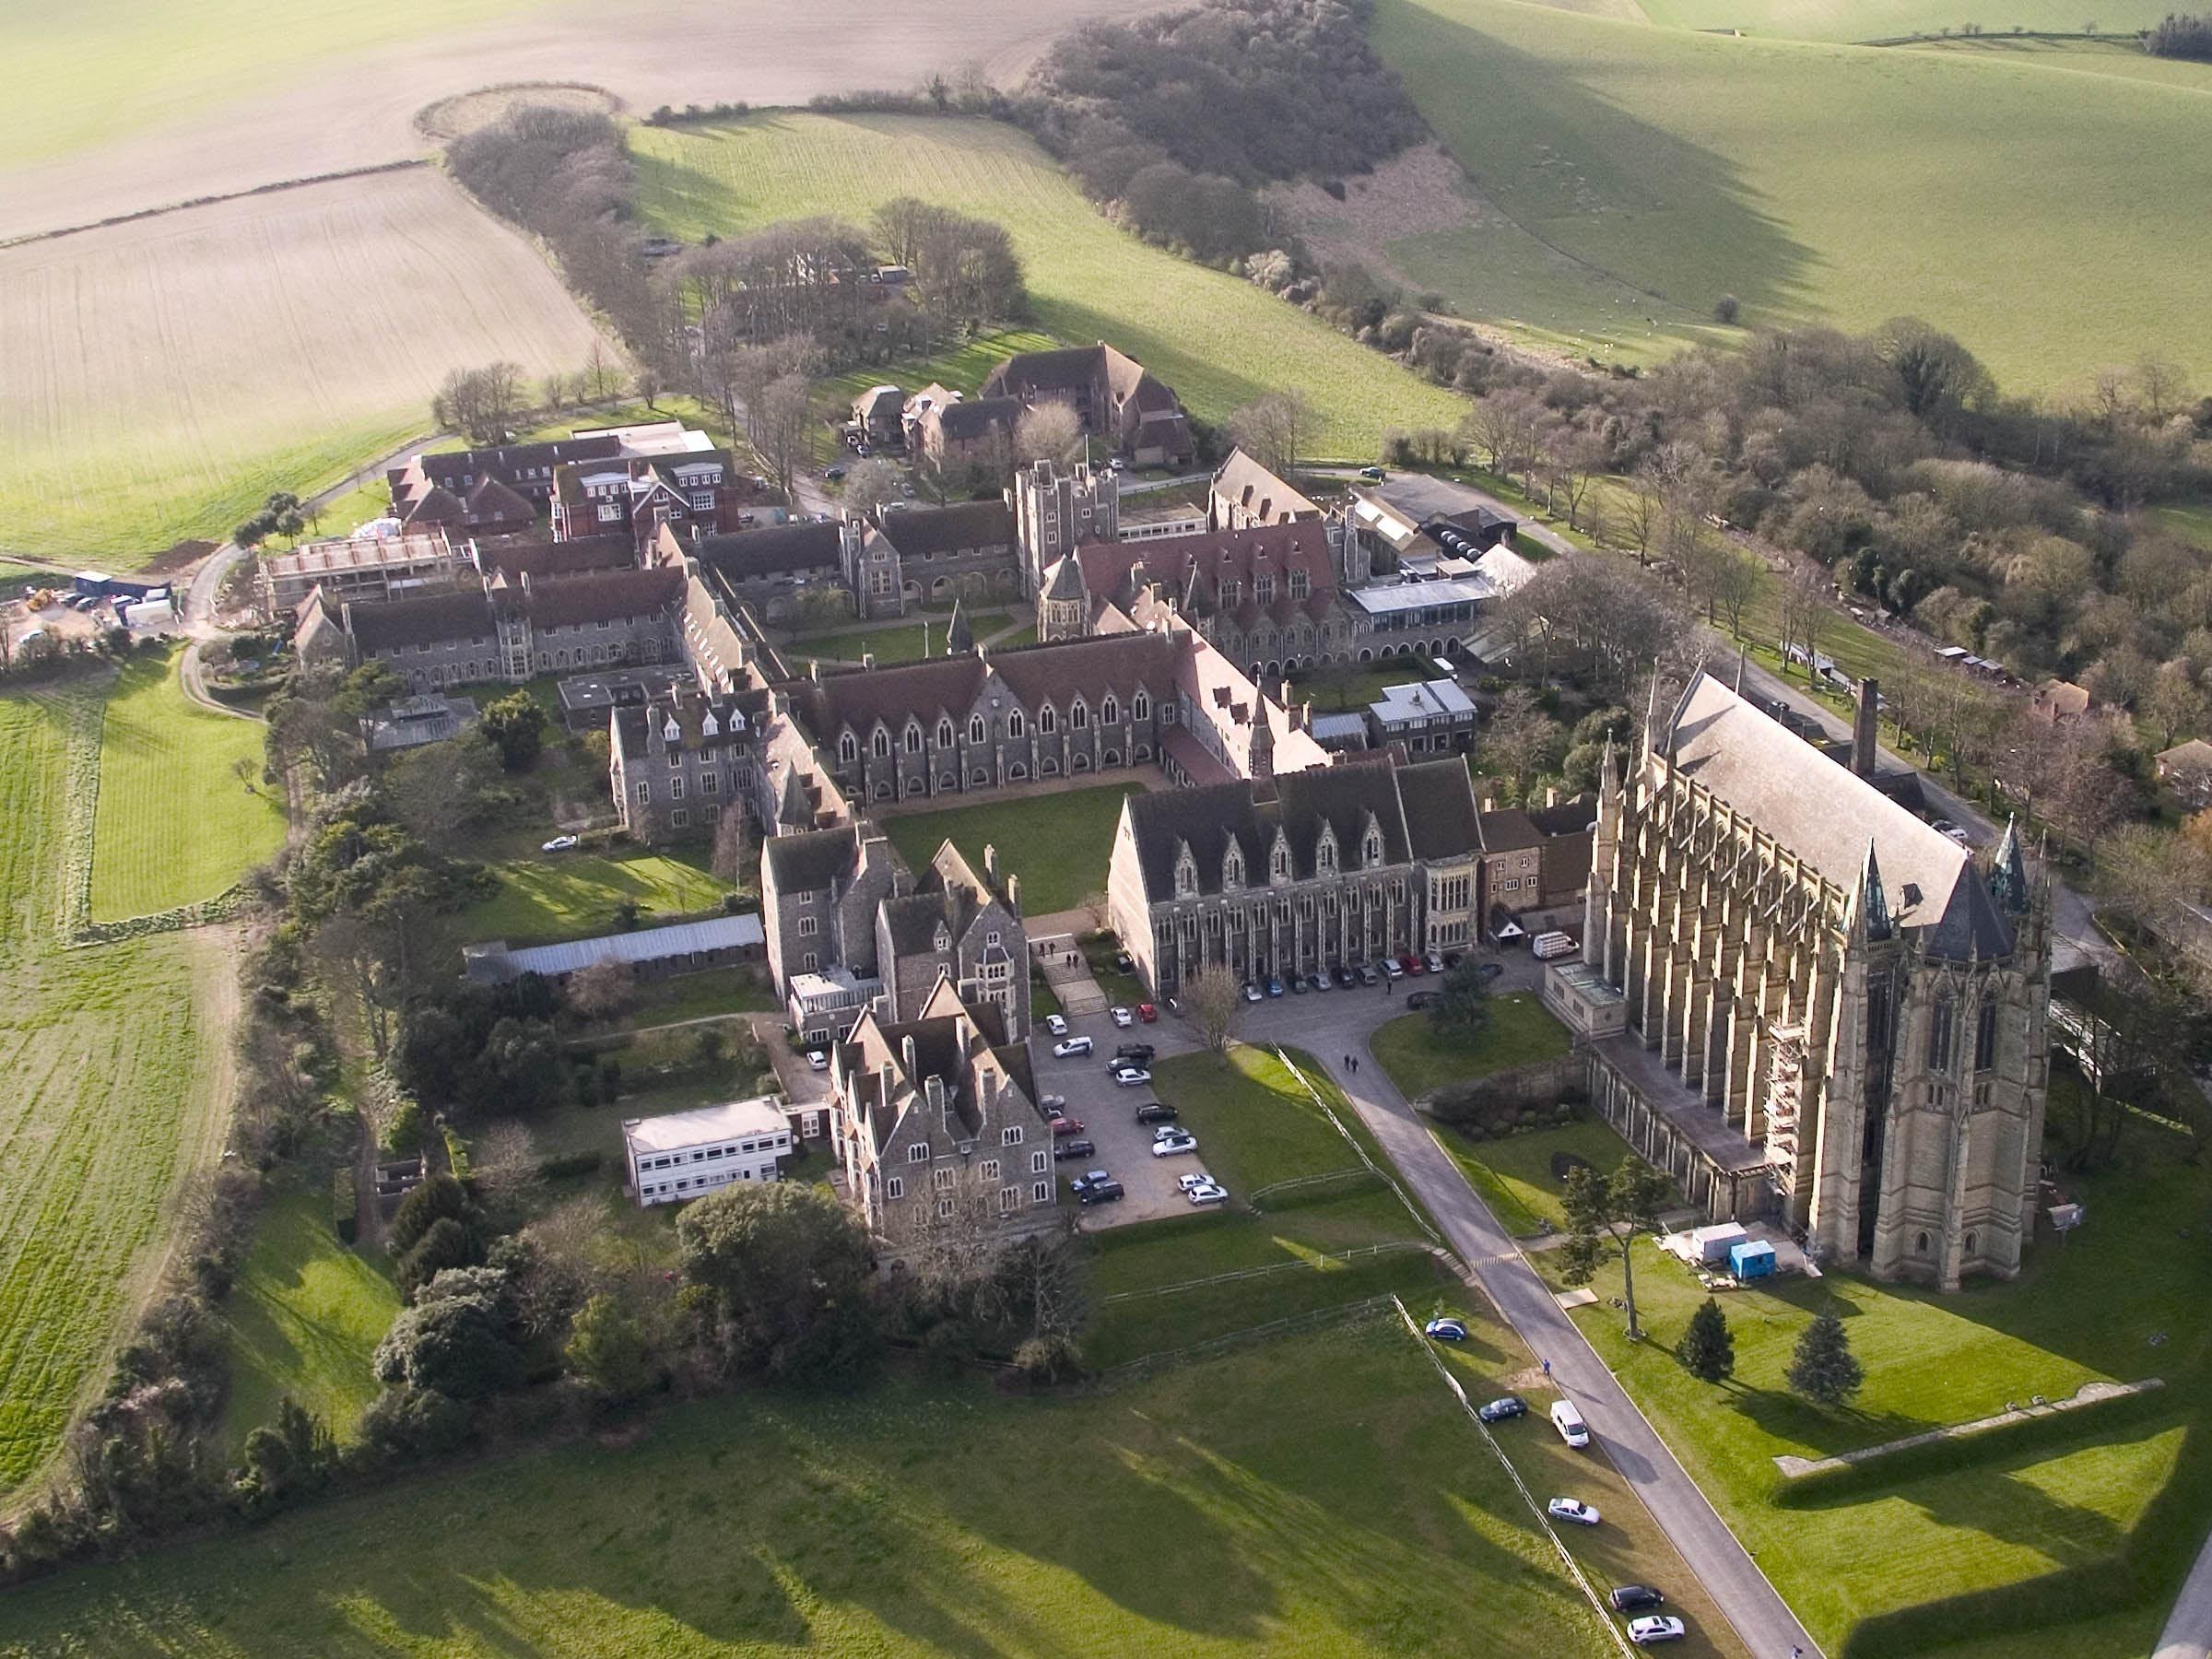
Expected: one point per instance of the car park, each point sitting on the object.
(1156, 1112)
(1056, 1025)
(1572, 1510)
(1067, 1126)
(1252, 991)
(1297, 984)
(1123, 1019)
(1658, 1628)
(1101, 1192)
(1053, 1105)
(559, 843)
(1498, 1410)
(1634, 1598)
(1346, 979)
(1132, 1077)
(1173, 1144)
(1066, 1150)
(1071, 1048)
(1206, 1192)
(1367, 976)
(1317, 982)
(1088, 1178)
(1446, 1330)
(1193, 1178)
(1413, 964)
(1147, 1013)
(1568, 1419)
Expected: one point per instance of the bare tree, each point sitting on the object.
(649, 383)
(1735, 584)
(733, 860)
(1047, 431)
(780, 424)
(1273, 430)
(1215, 1003)
(483, 405)
(1636, 518)
(505, 1164)
(603, 990)
(869, 484)
(600, 374)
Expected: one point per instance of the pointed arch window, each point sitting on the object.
(975, 728)
(913, 736)
(944, 734)
(847, 749)
(1141, 706)
(1079, 714)
(1110, 711)
(881, 743)
(1015, 725)
(1047, 720)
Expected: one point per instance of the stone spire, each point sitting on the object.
(793, 810)
(1870, 910)
(2008, 872)
(960, 639)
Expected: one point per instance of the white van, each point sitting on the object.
(1569, 1422)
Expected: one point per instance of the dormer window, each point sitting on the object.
(944, 940)
(1186, 875)
(1324, 855)
(1232, 869)
(1278, 863)
(1372, 853)
(1300, 587)
(709, 727)
(672, 732)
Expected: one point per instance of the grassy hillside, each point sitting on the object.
(1812, 181)
(1322, 1496)
(175, 822)
(1218, 341)
(1884, 19)
(108, 1055)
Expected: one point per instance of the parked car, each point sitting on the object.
(1053, 1105)
(1207, 1193)
(1568, 1419)
(1297, 984)
(1132, 1077)
(1156, 1112)
(1252, 991)
(1497, 1411)
(1169, 1144)
(1056, 1025)
(1071, 1048)
(1141, 1053)
(818, 1060)
(1373, 475)
(1367, 976)
(1104, 1192)
(1452, 959)
(1572, 1510)
(1660, 1627)
(559, 843)
(1064, 1150)
(1446, 1330)
(1487, 971)
(1346, 979)
(1413, 964)
(1275, 987)
(835, 474)
(1434, 961)
(1317, 982)
(1090, 1177)
(1123, 1019)
(1067, 1126)
(1391, 969)
(1191, 1178)
(1147, 1013)
(1117, 464)
(1123, 962)
(1635, 1598)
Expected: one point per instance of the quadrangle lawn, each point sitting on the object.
(175, 823)
(1420, 1059)
(1319, 1496)
(1058, 843)
(573, 895)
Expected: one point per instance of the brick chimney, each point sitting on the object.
(990, 863)
(1014, 896)
(1865, 713)
(907, 1057)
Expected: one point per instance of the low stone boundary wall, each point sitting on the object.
(2088, 1393)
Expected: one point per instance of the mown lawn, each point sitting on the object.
(908, 642)
(2088, 1309)
(303, 1318)
(1320, 1496)
(1419, 1058)
(176, 823)
(1216, 339)
(111, 1054)
(574, 895)
(1514, 1175)
(1058, 844)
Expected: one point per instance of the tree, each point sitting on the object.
(781, 420)
(1051, 430)
(447, 1243)
(603, 990)
(734, 862)
(1706, 1350)
(438, 1198)
(483, 405)
(601, 373)
(1735, 584)
(456, 1345)
(1823, 1369)
(1604, 1213)
(785, 1264)
(607, 1349)
(503, 1163)
(870, 483)
(1461, 1005)
(1273, 430)
(1521, 743)
(516, 726)
(1215, 1003)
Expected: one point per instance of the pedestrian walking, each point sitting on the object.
(1547, 1373)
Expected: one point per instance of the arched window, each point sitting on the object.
(944, 734)
(1141, 706)
(881, 743)
(1923, 1243)
(1970, 1243)
(975, 728)
(847, 750)
(978, 777)
(1110, 711)
(1079, 714)
(1047, 720)
(913, 738)
(1015, 725)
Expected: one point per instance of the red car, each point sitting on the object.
(1413, 964)
(1066, 1125)
(1147, 1012)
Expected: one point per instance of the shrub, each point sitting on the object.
(1727, 309)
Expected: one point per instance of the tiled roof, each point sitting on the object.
(1193, 568)
(918, 531)
(785, 549)
(601, 597)
(512, 556)
(813, 859)
(1121, 664)
(1255, 489)
(974, 417)
(427, 620)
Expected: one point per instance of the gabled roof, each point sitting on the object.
(1440, 820)
(513, 556)
(602, 596)
(974, 417)
(812, 860)
(1121, 664)
(426, 619)
(785, 549)
(1258, 491)
(1193, 568)
(919, 531)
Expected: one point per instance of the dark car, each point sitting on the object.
(1487, 972)
(1100, 1192)
(1156, 1112)
(1123, 962)
(1066, 1125)
(1496, 1411)
(1346, 979)
(1635, 1598)
(1064, 1150)
(1141, 1053)
(1421, 999)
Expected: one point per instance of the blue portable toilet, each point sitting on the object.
(1753, 1259)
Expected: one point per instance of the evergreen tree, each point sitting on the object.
(1706, 1350)
(1604, 1213)
(1823, 1369)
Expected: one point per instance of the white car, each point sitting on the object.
(1391, 969)
(818, 1060)
(1169, 1145)
(1056, 1025)
(1133, 1076)
(1659, 1626)
(1123, 1017)
(559, 843)
(1195, 1178)
(1434, 961)
(1252, 992)
(1168, 1132)
(1574, 1510)
(1071, 1048)
(1207, 1193)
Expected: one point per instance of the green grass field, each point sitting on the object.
(1322, 1496)
(573, 895)
(2193, 522)
(175, 823)
(303, 1318)
(115, 1057)
(908, 642)
(1846, 20)
(1218, 341)
(2087, 1309)
(1419, 1058)
(1514, 1175)
(1632, 175)
(1058, 844)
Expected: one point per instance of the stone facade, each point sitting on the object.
(678, 764)
(1059, 508)
(820, 890)
(959, 924)
(1835, 1016)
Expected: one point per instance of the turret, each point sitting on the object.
(2008, 873)
(1870, 905)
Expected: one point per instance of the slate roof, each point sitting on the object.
(963, 526)
(785, 549)
(602, 596)
(972, 416)
(426, 619)
(1827, 815)
(1258, 491)
(1118, 663)
(1440, 817)
(812, 860)
(1193, 568)
(512, 556)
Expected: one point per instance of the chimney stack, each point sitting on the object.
(932, 1091)
(907, 1056)
(990, 863)
(1014, 896)
(1865, 715)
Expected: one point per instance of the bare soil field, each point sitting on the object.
(167, 373)
(344, 98)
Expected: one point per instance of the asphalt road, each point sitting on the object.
(2188, 1633)
(1338, 1022)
